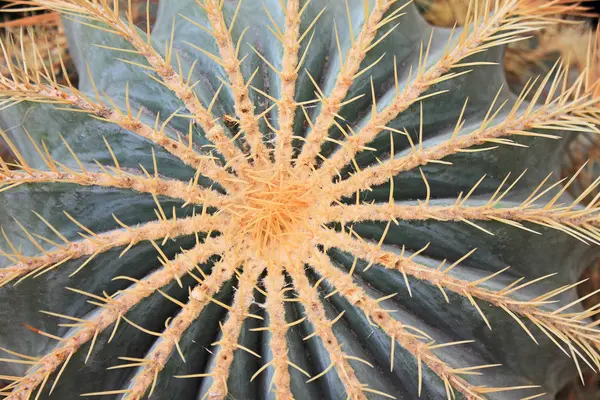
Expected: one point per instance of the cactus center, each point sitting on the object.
(274, 210)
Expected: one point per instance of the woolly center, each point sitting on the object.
(274, 211)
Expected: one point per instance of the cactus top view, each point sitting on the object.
(324, 199)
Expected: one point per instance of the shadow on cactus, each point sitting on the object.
(302, 200)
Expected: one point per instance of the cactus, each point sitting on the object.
(295, 200)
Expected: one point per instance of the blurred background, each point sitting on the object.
(571, 38)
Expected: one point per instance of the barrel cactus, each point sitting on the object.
(292, 199)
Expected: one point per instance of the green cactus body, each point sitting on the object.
(292, 200)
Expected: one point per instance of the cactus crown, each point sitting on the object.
(307, 150)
